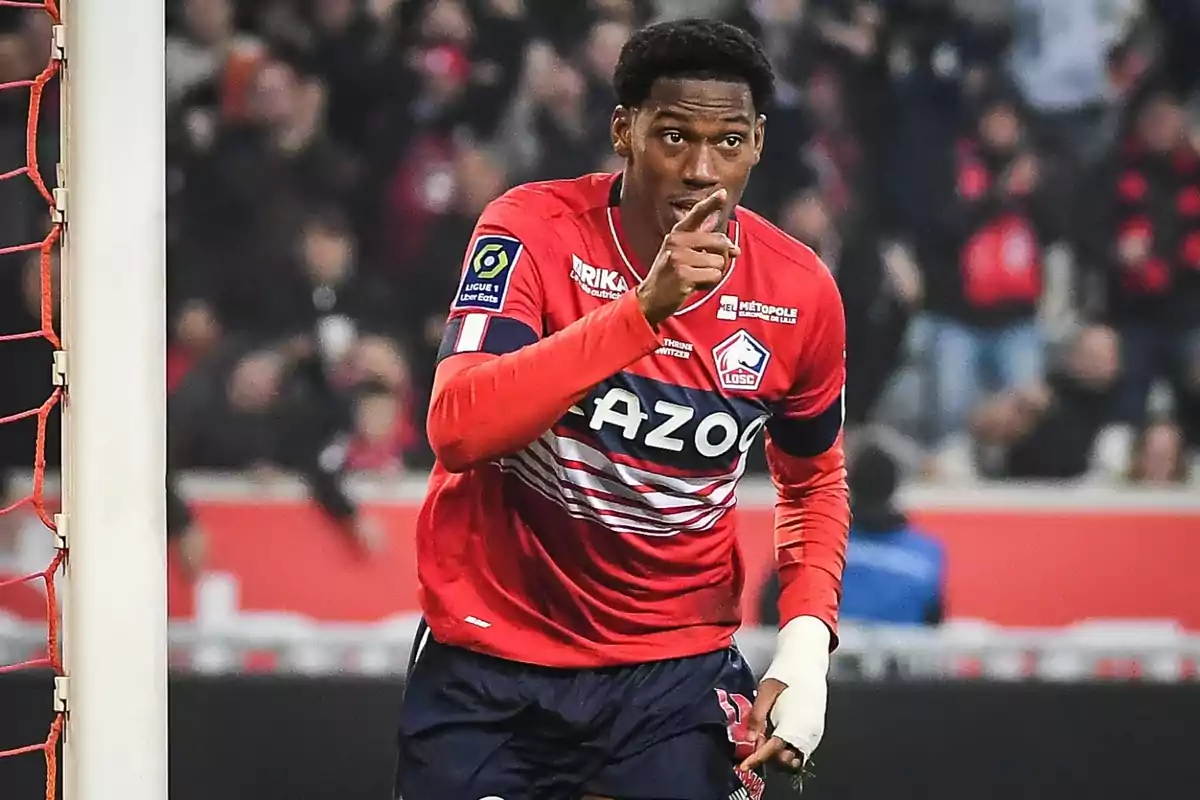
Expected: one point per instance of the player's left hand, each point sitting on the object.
(769, 749)
(792, 698)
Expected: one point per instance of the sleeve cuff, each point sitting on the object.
(809, 592)
(636, 328)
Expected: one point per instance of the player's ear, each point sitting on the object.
(760, 129)
(621, 130)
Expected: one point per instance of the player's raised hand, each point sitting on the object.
(692, 257)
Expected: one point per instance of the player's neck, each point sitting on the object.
(640, 231)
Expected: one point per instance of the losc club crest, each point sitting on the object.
(741, 362)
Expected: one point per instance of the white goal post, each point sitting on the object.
(114, 451)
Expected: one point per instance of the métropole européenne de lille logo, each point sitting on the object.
(489, 268)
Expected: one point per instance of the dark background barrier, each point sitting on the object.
(291, 738)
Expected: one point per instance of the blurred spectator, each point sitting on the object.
(895, 573)
(422, 184)
(345, 49)
(1179, 24)
(1159, 456)
(195, 333)
(1049, 429)
(326, 298)
(985, 278)
(25, 363)
(26, 548)
(553, 126)
(1060, 59)
(382, 433)
(245, 185)
(422, 308)
(209, 50)
(880, 285)
(244, 406)
(833, 152)
(1145, 238)
(929, 80)
(21, 58)
(883, 289)
(980, 176)
(807, 217)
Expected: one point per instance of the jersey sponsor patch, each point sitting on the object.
(665, 425)
(488, 272)
(605, 284)
(741, 362)
(731, 307)
(675, 348)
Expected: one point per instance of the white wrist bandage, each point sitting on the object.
(802, 663)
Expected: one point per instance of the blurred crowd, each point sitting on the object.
(1007, 190)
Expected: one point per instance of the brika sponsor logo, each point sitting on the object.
(606, 284)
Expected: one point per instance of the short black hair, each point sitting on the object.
(692, 48)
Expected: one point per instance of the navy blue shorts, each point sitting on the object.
(474, 727)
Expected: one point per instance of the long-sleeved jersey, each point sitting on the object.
(582, 511)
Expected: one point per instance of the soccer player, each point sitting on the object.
(616, 345)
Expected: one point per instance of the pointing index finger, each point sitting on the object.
(697, 214)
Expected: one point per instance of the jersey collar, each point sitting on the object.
(613, 215)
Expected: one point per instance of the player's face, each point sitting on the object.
(690, 138)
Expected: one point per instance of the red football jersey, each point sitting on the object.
(611, 538)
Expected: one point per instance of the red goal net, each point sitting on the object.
(23, 592)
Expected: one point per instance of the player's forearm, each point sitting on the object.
(812, 525)
(484, 407)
